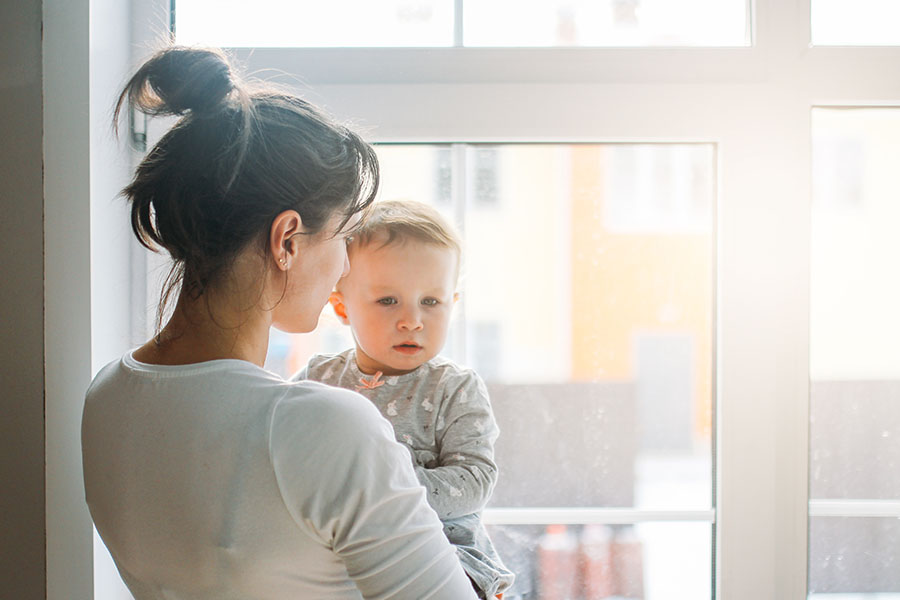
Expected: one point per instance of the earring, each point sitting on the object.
(281, 261)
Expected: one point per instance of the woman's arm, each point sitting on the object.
(347, 481)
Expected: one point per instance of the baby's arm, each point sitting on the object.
(462, 482)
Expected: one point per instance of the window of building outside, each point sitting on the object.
(610, 286)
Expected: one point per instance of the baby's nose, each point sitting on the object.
(410, 321)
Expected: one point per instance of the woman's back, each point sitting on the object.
(221, 480)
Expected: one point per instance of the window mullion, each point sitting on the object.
(763, 351)
(458, 9)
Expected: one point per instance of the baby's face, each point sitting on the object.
(398, 299)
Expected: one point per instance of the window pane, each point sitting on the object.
(588, 310)
(346, 23)
(651, 561)
(586, 305)
(411, 23)
(854, 326)
(854, 556)
(605, 23)
(855, 439)
(855, 22)
(601, 330)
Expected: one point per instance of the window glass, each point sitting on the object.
(586, 306)
(506, 23)
(853, 558)
(576, 326)
(346, 23)
(854, 326)
(606, 23)
(855, 22)
(651, 561)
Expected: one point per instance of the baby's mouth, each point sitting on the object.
(407, 348)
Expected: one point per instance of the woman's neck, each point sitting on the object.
(201, 330)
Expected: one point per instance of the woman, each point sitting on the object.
(207, 476)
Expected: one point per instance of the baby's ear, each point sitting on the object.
(337, 303)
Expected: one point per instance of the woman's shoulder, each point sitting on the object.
(314, 409)
(222, 378)
(105, 377)
(321, 436)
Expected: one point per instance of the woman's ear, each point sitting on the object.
(337, 303)
(285, 226)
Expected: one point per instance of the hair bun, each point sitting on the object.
(179, 79)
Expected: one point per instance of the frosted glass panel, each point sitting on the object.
(859, 556)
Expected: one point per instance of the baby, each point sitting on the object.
(397, 300)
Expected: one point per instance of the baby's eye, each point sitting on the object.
(387, 301)
(430, 301)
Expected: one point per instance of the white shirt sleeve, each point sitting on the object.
(346, 481)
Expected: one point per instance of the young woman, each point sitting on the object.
(208, 477)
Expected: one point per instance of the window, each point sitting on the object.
(854, 369)
(605, 23)
(353, 23)
(748, 159)
(437, 23)
(855, 22)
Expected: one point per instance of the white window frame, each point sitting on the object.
(754, 104)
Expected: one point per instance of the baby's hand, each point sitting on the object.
(426, 458)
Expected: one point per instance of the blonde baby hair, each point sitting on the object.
(397, 221)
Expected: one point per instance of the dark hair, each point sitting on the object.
(240, 154)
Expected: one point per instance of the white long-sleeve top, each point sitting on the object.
(222, 481)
